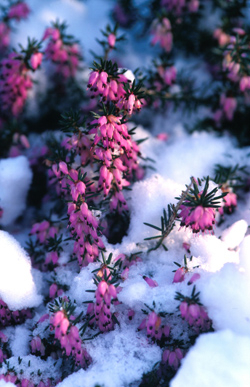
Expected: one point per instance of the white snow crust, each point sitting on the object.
(120, 357)
(17, 287)
(218, 359)
(15, 179)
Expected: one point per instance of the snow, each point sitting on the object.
(234, 235)
(120, 357)
(226, 295)
(245, 254)
(17, 287)
(20, 341)
(217, 359)
(149, 198)
(15, 179)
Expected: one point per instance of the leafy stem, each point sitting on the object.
(167, 220)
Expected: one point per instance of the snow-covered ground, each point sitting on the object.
(121, 357)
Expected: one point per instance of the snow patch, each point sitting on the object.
(217, 359)
(17, 287)
(15, 179)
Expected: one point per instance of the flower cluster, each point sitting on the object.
(16, 79)
(172, 358)
(100, 312)
(179, 6)
(198, 209)
(104, 294)
(105, 81)
(198, 218)
(14, 83)
(195, 315)
(84, 229)
(167, 74)
(43, 231)
(112, 139)
(154, 328)
(62, 51)
(16, 11)
(69, 337)
(234, 46)
(193, 312)
(228, 106)
(232, 64)
(230, 178)
(9, 317)
(37, 346)
(55, 291)
(162, 33)
(229, 201)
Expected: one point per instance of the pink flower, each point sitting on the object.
(221, 36)
(36, 60)
(194, 278)
(169, 75)
(229, 105)
(53, 290)
(245, 83)
(111, 40)
(195, 315)
(184, 309)
(4, 36)
(162, 136)
(179, 275)
(153, 324)
(150, 282)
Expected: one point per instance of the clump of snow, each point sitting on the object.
(244, 254)
(20, 341)
(17, 287)
(120, 357)
(234, 235)
(226, 295)
(217, 359)
(15, 179)
(186, 156)
(211, 252)
(6, 384)
(149, 198)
